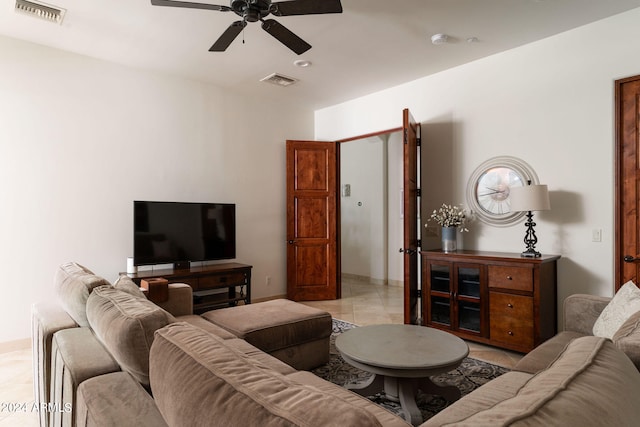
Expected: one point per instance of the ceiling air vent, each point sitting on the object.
(40, 10)
(279, 79)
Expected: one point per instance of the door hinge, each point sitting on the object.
(419, 141)
(417, 293)
(419, 243)
(418, 192)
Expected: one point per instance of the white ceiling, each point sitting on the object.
(372, 45)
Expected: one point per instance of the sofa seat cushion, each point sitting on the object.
(495, 391)
(73, 283)
(272, 325)
(384, 417)
(201, 323)
(197, 379)
(542, 356)
(126, 326)
(589, 382)
(117, 400)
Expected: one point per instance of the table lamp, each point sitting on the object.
(527, 199)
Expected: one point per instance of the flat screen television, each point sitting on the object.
(180, 233)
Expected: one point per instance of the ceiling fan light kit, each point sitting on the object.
(258, 10)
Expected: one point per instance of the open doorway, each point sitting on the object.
(371, 209)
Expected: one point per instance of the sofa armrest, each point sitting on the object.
(581, 312)
(180, 302)
(116, 399)
(46, 320)
(77, 355)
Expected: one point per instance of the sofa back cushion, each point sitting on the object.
(73, 284)
(590, 382)
(196, 376)
(126, 324)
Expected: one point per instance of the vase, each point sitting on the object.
(449, 239)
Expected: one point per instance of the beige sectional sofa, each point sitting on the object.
(199, 374)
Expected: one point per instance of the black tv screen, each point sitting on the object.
(179, 233)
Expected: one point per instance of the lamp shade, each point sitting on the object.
(529, 198)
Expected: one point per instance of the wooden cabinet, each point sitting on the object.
(214, 286)
(495, 298)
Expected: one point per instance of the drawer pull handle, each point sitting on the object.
(509, 278)
(510, 333)
(510, 305)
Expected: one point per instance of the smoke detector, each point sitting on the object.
(439, 39)
(43, 11)
(279, 80)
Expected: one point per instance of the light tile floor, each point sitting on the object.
(362, 303)
(16, 389)
(366, 303)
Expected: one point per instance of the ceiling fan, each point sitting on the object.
(257, 10)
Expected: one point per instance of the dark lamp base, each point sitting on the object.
(531, 253)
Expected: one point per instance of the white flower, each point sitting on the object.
(450, 216)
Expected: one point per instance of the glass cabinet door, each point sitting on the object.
(468, 298)
(440, 294)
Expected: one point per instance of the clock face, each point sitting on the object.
(493, 188)
(489, 189)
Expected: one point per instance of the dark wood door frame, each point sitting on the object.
(627, 179)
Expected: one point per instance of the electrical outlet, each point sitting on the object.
(267, 280)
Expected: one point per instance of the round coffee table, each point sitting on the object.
(402, 358)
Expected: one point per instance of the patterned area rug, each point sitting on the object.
(470, 375)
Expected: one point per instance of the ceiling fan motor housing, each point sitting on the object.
(251, 10)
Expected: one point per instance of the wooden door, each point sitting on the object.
(627, 227)
(411, 131)
(312, 221)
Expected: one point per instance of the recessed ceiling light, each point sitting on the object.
(303, 63)
(439, 39)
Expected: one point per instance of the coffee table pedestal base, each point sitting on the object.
(404, 391)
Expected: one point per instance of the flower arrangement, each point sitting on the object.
(450, 216)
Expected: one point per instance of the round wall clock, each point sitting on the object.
(489, 188)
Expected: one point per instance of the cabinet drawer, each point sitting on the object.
(511, 319)
(220, 280)
(516, 278)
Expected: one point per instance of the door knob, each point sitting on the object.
(629, 258)
(291, 242)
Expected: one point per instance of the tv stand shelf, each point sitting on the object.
(214, 286)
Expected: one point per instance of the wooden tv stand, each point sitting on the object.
(214, 286)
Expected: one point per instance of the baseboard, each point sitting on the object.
(268, 298)
(9, 346)
(367, 279)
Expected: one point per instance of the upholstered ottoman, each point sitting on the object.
(294, 333)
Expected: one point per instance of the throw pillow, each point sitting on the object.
(627, 338)
(126, 326)
(73, 284)
(623, 305)
(125, 284)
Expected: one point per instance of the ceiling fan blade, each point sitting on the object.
(285, 36)
(190, 5)
(305, 7)
(228, 36)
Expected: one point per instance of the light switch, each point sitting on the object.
(596, 235)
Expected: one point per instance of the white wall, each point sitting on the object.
(373, 168)
(549, 103)
(363, 245)
(80, 139)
